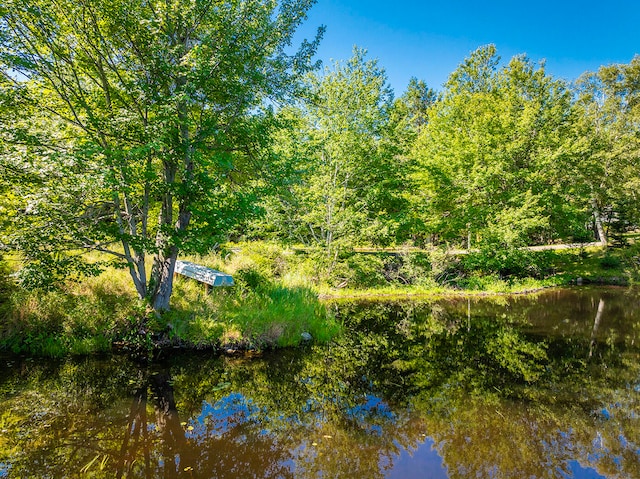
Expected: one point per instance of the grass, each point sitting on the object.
(614, 265)
(82, 318)
(269, 315)
(480, 285)
(103, 311)
(277, 298)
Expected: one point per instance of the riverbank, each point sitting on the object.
(280, 297)
(103, 314)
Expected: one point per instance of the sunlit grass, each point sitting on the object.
(92, 315)
(473, 287)
(258, 312)
(79, 319)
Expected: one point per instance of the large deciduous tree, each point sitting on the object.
(142, 121)
(489, 157)
(608, 102)
(340, 157)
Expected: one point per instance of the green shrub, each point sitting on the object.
(365, 270)
(445, 268)
(353, 270)
(415, 268)
(508, 262)
(249, 278)
(610, 261)
(268, 259)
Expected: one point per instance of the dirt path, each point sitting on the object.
(544, 247)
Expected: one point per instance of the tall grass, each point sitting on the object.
(261, 311)
(79, 319)
(271, 305)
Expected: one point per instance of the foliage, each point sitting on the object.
(343, 181)
(112, 115)
(80, 318)
(358, 271)
(275, 298)
(610, 261)
(609, 144)
(267, 317)
(511, 262)
(414, 105)
(131, 111)
(489, 158)
(97, 314)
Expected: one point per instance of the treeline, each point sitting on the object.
(505, 156)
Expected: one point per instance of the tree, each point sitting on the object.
(608, 102)
(134, 111)
(409, 116)
(340, 154)
(415, 103)
(488, 157)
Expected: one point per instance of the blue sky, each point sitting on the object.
(428, 39)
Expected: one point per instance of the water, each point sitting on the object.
(531, 387)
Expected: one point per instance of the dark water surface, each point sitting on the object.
(544, 386)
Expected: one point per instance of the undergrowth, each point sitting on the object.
(103, 312)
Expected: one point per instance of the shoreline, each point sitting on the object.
(464, 293)
(154, 346)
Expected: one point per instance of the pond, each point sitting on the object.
(542, 386)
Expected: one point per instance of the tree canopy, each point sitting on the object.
(142, 124)
(340, 152)
(490, 158)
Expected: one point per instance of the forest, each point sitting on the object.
(132, 134)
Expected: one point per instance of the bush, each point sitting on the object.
(422, 268)
(358, 270)
(249, 278)
(414, 268)
(509, 262)
(610, 261)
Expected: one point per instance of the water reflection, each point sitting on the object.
(506, 388)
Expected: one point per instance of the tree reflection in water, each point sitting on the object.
(507, 389)
(220, 442)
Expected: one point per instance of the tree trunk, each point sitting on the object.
(164, 262)
(162, 280)
(602, 236)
